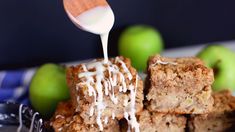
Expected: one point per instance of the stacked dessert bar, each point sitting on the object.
(177, 97)
(179, 88)
(65, 120)
(175, 87)
(220, 119)
(101, 95)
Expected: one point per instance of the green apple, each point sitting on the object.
(47, 88)
(138, 43)
(222, 60)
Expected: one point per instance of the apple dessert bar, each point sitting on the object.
(65, 120)
(161, 122)
(158, 122)
(102, 91)
(220, 119)
(179, 85)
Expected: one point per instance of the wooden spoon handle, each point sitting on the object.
(77, 7)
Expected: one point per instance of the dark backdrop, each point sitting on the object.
(33, 32)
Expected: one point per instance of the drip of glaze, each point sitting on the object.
(77, 109)
(100, 106)
(59, 116)
(125, 102)
(60, 129)
(97, 83)
(92, 111)
(129, 114)
(104, 40)
(113, 115)
(32, 121)
(98, 20)
(126, 70)
(20, 118)
(106, 120)
(164, 63)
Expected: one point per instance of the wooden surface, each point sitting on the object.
(76, 7)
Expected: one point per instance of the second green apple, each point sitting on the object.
(222, 60)
(138, 43)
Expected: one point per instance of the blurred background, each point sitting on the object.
(33, 32)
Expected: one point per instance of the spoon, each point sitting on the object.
(94, 16)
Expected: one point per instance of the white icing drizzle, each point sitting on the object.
(104, 40)
(20, 118)
(98, 101)
(129, 114)
(164, 63)
(32, 122)
(92, 111)
(126, 70)
(78, 98)
(70, 122)
(98, 86)
(125, 102)
(59, 116)
(60, 129)
(106, 120)
(113, 115)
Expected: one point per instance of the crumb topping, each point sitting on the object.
(105, 79)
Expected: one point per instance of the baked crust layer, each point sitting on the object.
(179, 85)
(220, 119)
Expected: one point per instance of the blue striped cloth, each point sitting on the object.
(14, 85)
